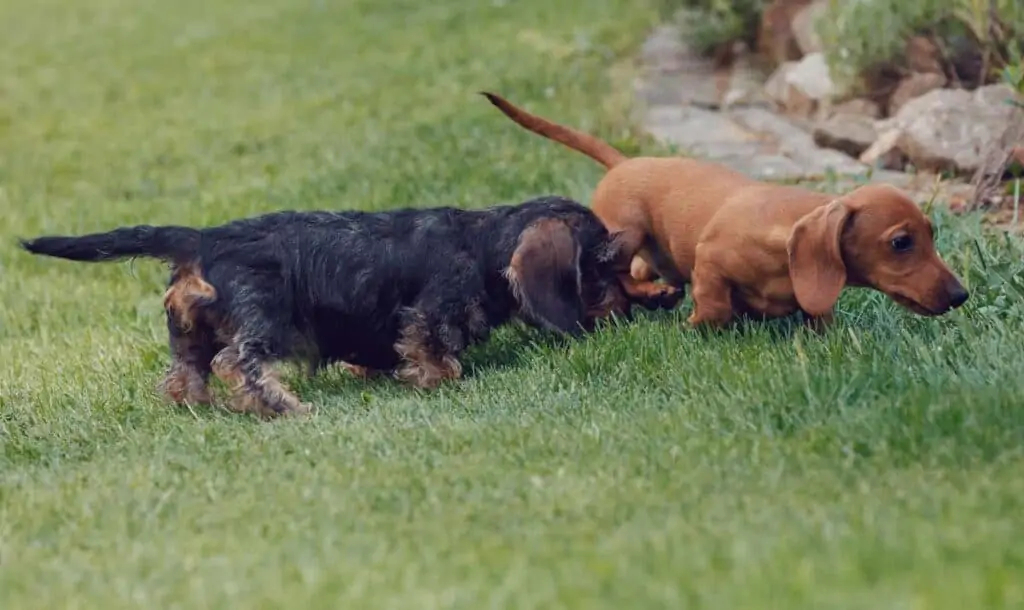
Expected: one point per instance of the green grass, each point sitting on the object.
(646, 466)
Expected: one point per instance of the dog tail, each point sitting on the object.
(172, 244)
(596, 149)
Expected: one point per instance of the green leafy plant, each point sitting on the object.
(709, 24)
(862, 36)
(1013, 75)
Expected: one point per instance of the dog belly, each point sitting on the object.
(357, 341)
(380, 360)
(763, 306)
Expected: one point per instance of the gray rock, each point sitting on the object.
(767, 167)
(849, 133)
(790, 138)
(859, 107)
(745, 85)
(664, 49)
(950, 129)
(681, 89)
(795, 143)
(883, 150)
(777, 86)
(800, 87)
(914, 86)
(811, 76)
(700, 132)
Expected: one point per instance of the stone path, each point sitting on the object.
(726, 118)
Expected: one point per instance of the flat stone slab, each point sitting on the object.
(674, 73)
(726, 119)
(681, 92)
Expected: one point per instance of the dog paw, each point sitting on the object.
(294, 410)
(663, 297)
(670, 297)
(697, 320)
(303, 409)
(361, 372)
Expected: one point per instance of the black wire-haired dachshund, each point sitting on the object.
(402, 291)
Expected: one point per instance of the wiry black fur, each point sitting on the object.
(356, 286)
(166, 243)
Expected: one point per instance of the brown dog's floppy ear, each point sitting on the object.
(545, 276)
(816, 265)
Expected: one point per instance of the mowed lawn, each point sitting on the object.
(647, 466)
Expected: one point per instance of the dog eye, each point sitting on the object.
(902, 243)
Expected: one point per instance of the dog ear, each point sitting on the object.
(816, 265)
(619, 248)
(545, 276)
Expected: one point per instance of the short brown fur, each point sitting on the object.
(756, 248)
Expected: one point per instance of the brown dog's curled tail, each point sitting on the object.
(596, 149)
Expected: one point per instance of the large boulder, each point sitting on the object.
(848, 132)
(951, 129)
(913, 86)
(850, 128)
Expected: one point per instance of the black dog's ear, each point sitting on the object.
(545, 276)
(619, 248)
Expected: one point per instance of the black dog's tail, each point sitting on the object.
(172, 244)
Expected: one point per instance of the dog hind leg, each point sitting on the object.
(639, 281)
(191, 354)
(712, 296)
(192, 340)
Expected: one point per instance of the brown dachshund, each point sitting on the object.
(755, 248)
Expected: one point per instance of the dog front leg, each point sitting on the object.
(427, 358)
(651, 295)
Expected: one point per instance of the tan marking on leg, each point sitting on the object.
(277, 399)
(183, 384)
(361, 372)
(225, 367)
(262, 399)
(187, 290)
(186, 377)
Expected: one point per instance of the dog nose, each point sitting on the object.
(958, 296)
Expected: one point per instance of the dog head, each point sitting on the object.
(874, 236)
(563, 275)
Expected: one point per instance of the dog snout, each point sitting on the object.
(958, 295)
